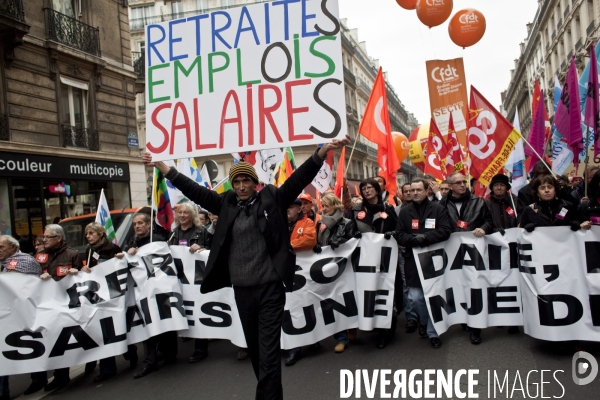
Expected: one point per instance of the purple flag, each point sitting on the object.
(568, 113)
(537, 135)
(591, 105)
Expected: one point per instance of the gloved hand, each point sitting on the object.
(529, 227)
(502, 231)
(418, 240)
(317, 249)
(575, 226)
(388, 235)
(357, 235)
(334, 246)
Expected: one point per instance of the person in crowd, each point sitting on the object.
(384, 194)
(166, 342)
(578, 193)
(251, 251)
(502, 204)
(204, 218)
(13, 260)
(433, 190)
(190, 232)
(547, 209)
(213, 223)
(422, 223)
(467, 213)
(99, 250)
(57, 261)
(26, 245)
(303, 236)
(526, 196)
(307, 207)
(38, 243)
(444, 187)
(333, 230)
(406, 195)
(373, 215)
(590, 209)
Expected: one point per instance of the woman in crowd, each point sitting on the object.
(547, 209)
(590, 209)
(333, 230)
(373, 215)
(38, 244)
(189, 232)
(99, 250)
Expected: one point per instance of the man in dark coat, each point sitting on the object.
(251, 251)
(421, 224)
(467, 213)
(502, 204)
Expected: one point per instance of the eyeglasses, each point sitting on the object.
(49, 237)
(459, 183)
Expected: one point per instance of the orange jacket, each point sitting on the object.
(304, 234)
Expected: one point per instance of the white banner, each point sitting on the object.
(85, 317)
(548, 279)
(261, 76)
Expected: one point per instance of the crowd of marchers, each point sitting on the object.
(423, 213)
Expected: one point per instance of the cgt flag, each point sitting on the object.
(375, 126)
(339, 177)
(454, 159)
(103, 218)
(491, 138)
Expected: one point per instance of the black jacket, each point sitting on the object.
(139, 242)
(201, 237)
(427, 210)
(473, 211)
(341, 233)
(57, 262)
(589, 211)
(379, 224)
(269, 211)
(104, 253)
(544, 213)
(502, 211)
(526, 198)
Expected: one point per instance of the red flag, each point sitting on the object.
(592, 107)
(491, 138)
(375, 126)
(339, 177)
(432, 163)
(454, 159)
(537, 134)
(568, 114)
(437, 144)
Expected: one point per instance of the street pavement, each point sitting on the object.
(317, 375)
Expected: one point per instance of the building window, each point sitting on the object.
(66, 7)
(74, 102)
(177, 9)
(140, 17)
(201, 5)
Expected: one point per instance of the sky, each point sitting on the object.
(402, 44)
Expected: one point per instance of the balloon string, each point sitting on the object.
(432, 44)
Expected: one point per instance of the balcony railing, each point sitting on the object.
(553, 35)
(13, 8)
(139, 66)
(75, 136)
(563, 65)
(590, 28)
(73, 33)
(349, 75)
(4, 133)
(142, 108)
(569, 56)
(559, 25)
(140, 23)
(579, 44)
(567, 10)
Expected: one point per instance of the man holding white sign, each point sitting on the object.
(251, 251)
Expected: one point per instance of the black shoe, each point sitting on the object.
(104, 377)
(293, 359)
(197, 356)
(513, 329)
(381, 341)
(475, 338)
(35, 387)
(315, 346)
(411, 326)
(147, 370)
(133, 361)
(90, 367)
(423, 330)
(56, 384)
(242, 354)
(170, 361)
(436, 343)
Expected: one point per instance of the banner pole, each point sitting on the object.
(587, 160)
(513, 202)
(152, 208)
(538, 154)
(352, 152)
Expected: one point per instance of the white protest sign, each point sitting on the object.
(262, 76)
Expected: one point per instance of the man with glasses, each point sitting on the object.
(421, 224)
(57, 261)
(467, 213)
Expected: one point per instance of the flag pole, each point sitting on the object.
(538, 154)
(152, 208)
(352, 152)
(513, 202)
(587, 160)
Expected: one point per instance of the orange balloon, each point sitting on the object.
(401, 145)
(407, 4)
(417, 140)
(433, 12)
(467, 27)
